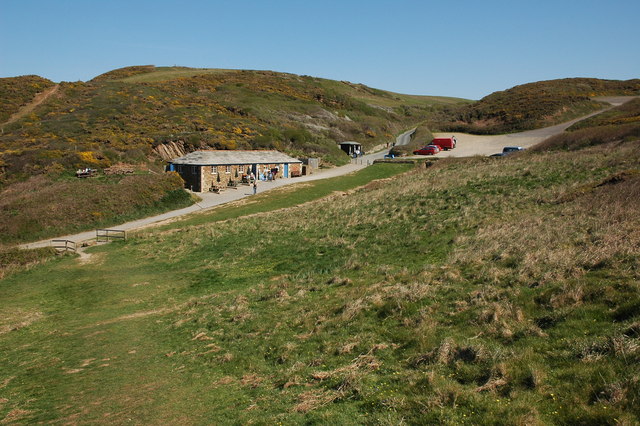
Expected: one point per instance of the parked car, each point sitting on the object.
(508, 150)
(511, 149)
(427, 150)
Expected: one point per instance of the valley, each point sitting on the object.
(459, 290)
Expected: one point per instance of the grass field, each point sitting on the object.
(293, 195)
(473, 291)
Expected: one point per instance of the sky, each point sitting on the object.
(464, 48)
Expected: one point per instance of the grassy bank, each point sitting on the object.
(473, 291)
(293, 195)
(43, 207)
(531, 106)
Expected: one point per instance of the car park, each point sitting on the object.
(427, 150)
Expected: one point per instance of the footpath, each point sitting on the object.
(210, 200)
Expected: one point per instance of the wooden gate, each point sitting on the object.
(106, 235)
(63, 245)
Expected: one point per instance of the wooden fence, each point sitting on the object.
(106, 235)
(64, 245)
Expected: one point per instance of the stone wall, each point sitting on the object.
(210, 174)
(203, 178)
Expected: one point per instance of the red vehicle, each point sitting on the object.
(427, 150)
(445, 143)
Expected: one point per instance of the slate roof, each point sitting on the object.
(227, 157)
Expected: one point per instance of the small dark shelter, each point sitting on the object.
(351, 147)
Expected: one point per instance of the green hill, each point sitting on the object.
(473, 291)
(145, 115)
(132, 113)
(531, 106)
(618, 125)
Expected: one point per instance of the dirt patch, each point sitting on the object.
(15, 415)
(135, 315)
(16, 320)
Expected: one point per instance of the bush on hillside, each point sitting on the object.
(121, 120)
(627, 113)
(125, 72)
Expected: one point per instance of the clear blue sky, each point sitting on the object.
(453, 48)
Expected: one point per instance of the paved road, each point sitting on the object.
(405, 138)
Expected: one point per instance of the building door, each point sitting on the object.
(286, 170)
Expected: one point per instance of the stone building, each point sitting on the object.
(204, 170)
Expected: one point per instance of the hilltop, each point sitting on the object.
(531, 106)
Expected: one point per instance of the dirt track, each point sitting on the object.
(470, 145)
(37, 100)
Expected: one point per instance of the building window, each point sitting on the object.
(228, 169)
(241, 169)
(194, 170)
(214, 170)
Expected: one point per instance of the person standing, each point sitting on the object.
(255, 187)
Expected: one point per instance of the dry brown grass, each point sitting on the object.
(15, 319)
(314, 399)
(598, 227)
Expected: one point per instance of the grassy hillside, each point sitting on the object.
(46, 206)
(617, 125)
(129, 114)
(145, 114)
(16, 92)
(531, 106)
(473, 291)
